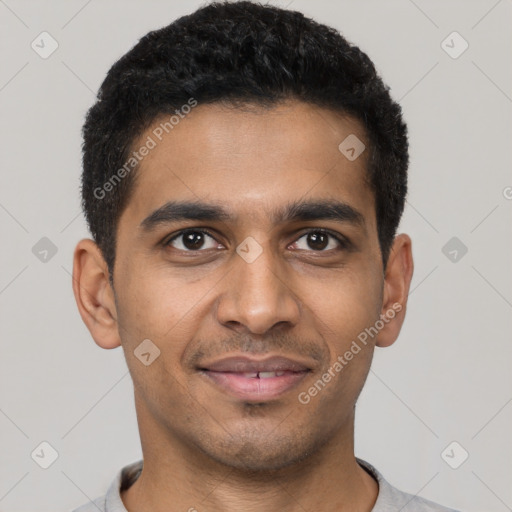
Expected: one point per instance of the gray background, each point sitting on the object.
(448, 376)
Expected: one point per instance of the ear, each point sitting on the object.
(397, 281)
(94, 295)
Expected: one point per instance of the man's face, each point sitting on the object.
(306, 296)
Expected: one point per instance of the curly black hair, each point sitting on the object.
(238, 53)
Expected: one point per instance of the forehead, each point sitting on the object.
(250, 161)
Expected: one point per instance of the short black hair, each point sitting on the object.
(237, 53)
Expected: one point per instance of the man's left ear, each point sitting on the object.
(397, 281)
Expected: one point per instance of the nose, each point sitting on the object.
(258, 296)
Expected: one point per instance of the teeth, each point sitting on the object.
(267, 375)
(262, 375)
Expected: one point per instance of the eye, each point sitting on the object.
(192, 240)
(321, 241)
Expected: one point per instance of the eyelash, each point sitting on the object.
(343, 243)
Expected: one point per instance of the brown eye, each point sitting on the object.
(192, 240)
(320, 241)
(317, 241)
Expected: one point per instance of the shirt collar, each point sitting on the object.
(129, 474)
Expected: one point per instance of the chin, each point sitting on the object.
(263, 454)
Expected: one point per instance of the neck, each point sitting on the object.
(178, 477)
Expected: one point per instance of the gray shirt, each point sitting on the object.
(389, 499)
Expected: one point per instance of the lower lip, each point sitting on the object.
(254, 388)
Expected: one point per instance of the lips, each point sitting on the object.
(255, 380)
(242, 364)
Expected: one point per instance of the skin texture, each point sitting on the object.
(202, 447)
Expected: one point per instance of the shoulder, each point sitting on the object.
(93, 506)
(111, 501)
(390, 497)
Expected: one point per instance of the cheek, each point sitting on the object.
(342, 311)
(346, 304)
(152, 309)
(155, 305)
(166, 310)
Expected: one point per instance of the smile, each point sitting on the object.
(255, 386)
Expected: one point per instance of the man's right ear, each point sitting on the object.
(94, 294)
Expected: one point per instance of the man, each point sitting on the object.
(244, 175)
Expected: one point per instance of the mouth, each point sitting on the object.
(255, 380)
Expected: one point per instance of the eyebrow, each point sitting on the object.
(174, 211)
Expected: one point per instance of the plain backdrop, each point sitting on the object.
(447, 378)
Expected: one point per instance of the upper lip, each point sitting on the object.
(244, 364)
